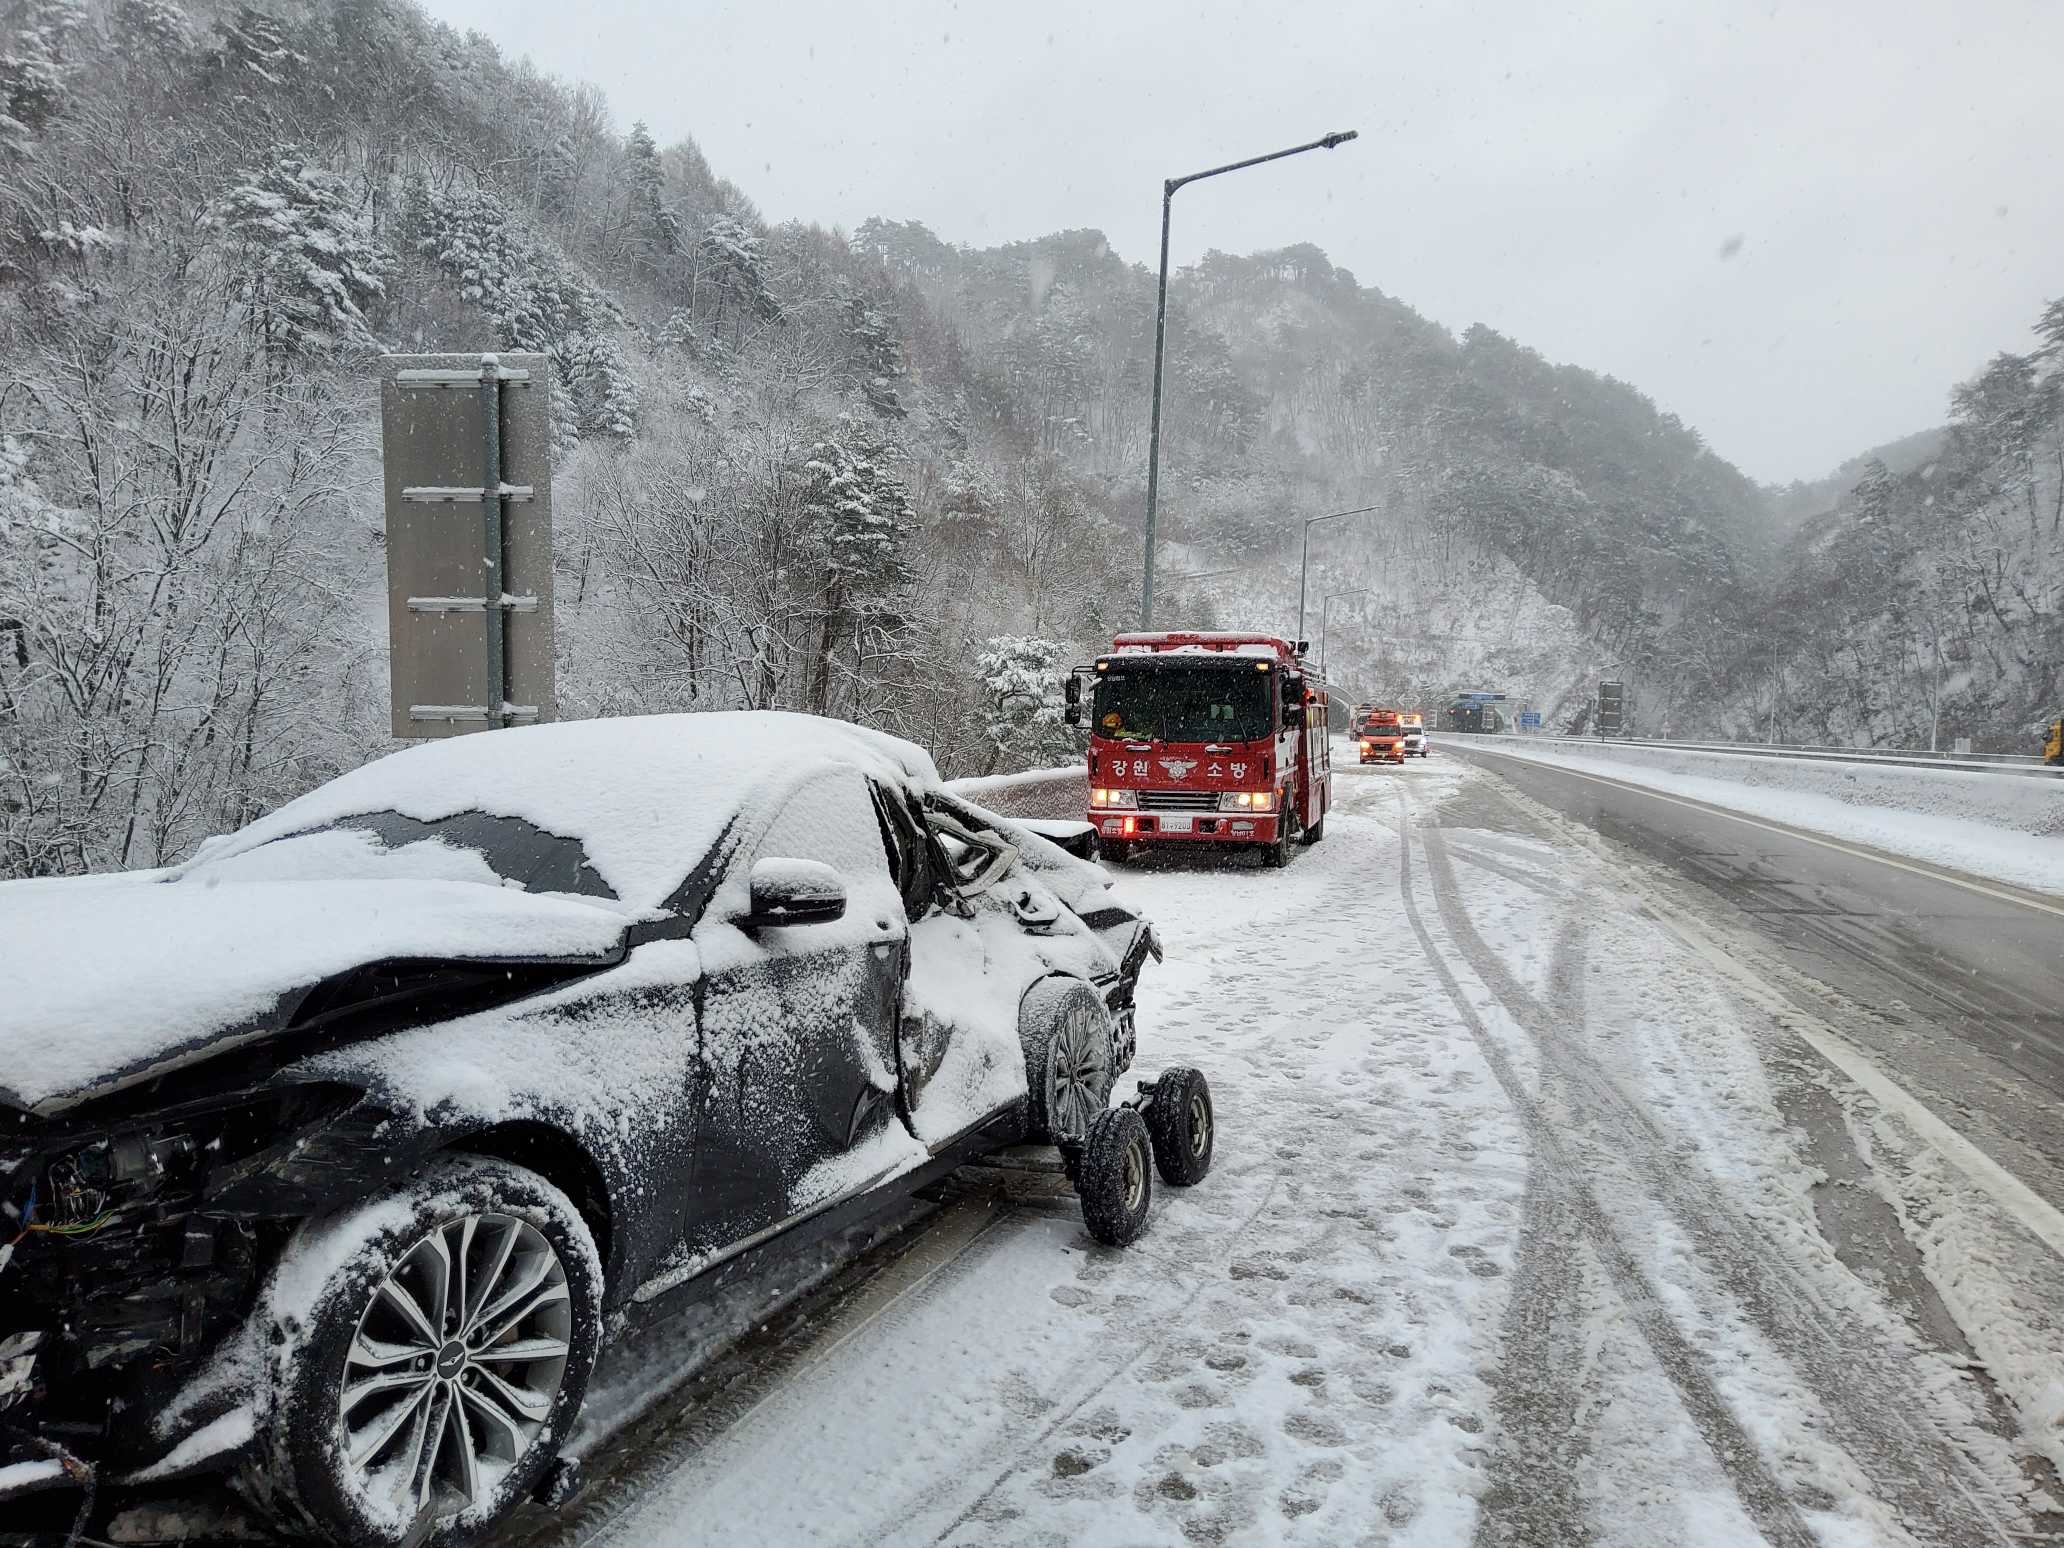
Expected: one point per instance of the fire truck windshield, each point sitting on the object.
(1183, 704)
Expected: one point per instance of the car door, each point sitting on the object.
(798, 1027)
(993, 930)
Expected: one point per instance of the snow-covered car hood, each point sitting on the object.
(102, 984)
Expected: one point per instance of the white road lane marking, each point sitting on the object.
(1969, 884)
(2023, 1204)
(2039, 1217)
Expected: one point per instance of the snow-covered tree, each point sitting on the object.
(647, 180)
(874, 357)
(255, 47)
(1024, 692)
(33, 54)
(537, 300)
(308, 258)
(737, 265)
(151, 29)
(860, 517)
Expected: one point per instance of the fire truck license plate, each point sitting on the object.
(1176, 824)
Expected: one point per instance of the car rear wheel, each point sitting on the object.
(1115, 1177)
(1071, 1057)
(431, 1350)
(1183, 1126)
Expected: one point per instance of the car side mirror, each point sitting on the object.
(791, 892)
(1071, 691)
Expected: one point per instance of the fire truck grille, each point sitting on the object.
(1178, 800)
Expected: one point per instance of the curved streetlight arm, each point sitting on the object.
(1304, 563)
(1323, 142)
(1325, 606)
(1168, 188)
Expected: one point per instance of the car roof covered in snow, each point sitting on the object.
(646, 796)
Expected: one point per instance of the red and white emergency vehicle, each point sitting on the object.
(1206, 738)
(1382, 737)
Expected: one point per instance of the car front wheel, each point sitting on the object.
(430, 1352)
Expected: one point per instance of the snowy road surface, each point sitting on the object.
(1550, 1208)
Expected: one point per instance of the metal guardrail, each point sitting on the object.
(1971, 763)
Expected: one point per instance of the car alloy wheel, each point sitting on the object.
(1080, 1075)
(455, 1365)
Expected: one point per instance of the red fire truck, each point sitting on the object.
(1205, 738)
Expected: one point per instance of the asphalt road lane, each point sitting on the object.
(1959, 991)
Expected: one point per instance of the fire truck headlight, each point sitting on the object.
(1113, 798)
(1247, 801)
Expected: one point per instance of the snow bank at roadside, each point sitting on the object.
(2007, 827)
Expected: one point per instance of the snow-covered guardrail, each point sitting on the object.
(1051, 793)
(1990, 763)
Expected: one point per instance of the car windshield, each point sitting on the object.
(1204, 703)
(371, 846)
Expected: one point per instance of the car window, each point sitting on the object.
(975, 855)
(831, 819)
(903, 840)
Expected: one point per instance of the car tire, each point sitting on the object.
(357, 1288)
(1115, 1177)
(1276, 854)
(1183, 1127)
(1071, 1058)
(1315, 832)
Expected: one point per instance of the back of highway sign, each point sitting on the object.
(434, 438)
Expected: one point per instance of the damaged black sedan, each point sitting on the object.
(329, 1159)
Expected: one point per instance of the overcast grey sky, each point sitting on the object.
(1573, 174)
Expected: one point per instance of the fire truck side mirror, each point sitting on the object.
(1071, 691)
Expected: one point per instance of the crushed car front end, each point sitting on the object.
(133, 1243)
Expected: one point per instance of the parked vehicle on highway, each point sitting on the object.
(1206, 738)
(1382, 738)
(331, 1156)
(1415, 734)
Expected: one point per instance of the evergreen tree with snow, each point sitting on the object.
(859, 517)
(307, 257)
(1023, 685)
(647, 179)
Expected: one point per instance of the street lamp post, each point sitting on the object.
(1304, 563)
(1168, 188)
(1325, 605)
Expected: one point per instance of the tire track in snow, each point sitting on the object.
(1878, 1419)
(1763, 1499)
(1532, 1495)
(1511, 873)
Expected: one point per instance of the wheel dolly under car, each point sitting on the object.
(1170, 1119)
